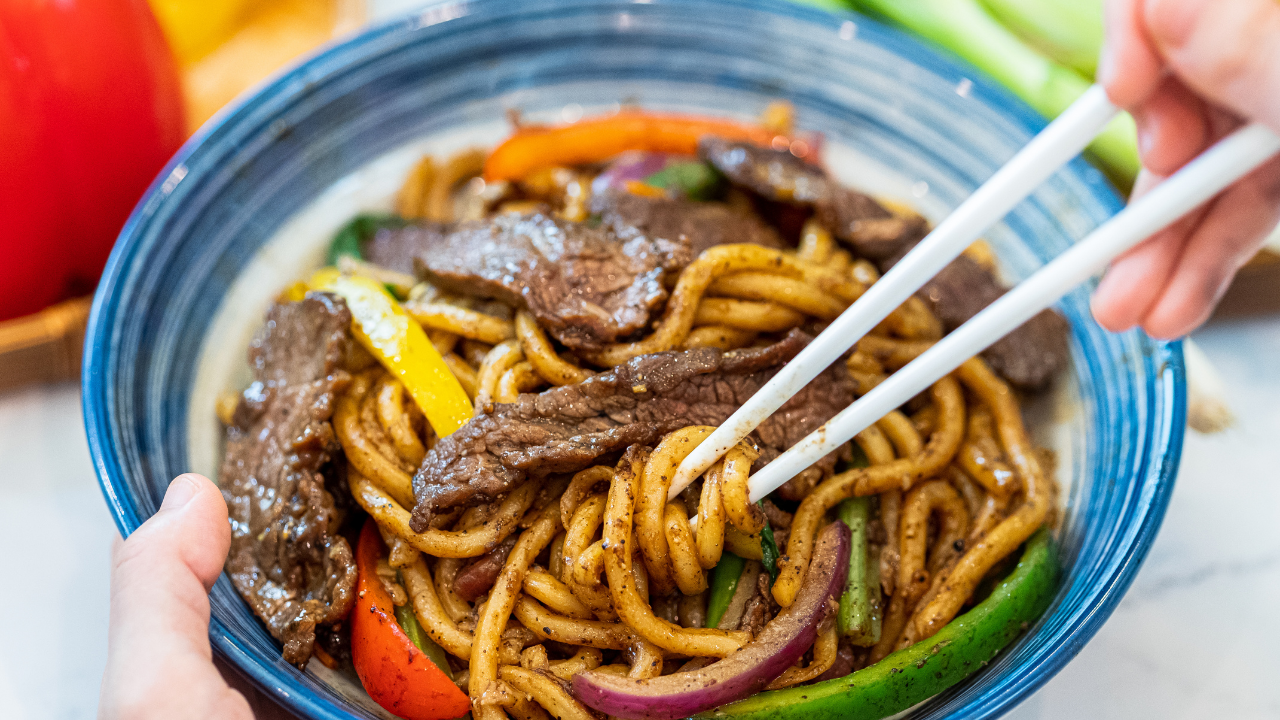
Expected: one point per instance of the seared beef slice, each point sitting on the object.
(285, 560)
(396, 249)
(772, 174)
(1030, 356)
(580, 282)
(568, 428)
(852, 217)
(687, 227)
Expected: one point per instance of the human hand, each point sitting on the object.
(1190, 72)
(159, 664)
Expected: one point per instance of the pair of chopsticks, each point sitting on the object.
(1199, 180)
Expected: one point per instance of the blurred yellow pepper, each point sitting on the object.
(226, 46)
(384, 328)
(194, 28)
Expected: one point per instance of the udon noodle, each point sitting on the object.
(603, 573)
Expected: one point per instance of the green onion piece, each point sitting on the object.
(859, 616)
(927, 668)
(769, 551)
(966, 28)
(1069, 31)
(835, 6)
(724, 583)
(409, 623)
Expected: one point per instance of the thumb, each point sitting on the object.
(1228, 51)
(159, 663)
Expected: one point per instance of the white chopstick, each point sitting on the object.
(1207, 175)
(1062, 140)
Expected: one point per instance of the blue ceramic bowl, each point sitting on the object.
(899, 119)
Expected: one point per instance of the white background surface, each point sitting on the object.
(1195, 637)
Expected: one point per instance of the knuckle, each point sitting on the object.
(1268, 182)
(1239, 50)
(1228, 65)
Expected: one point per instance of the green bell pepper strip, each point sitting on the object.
(409, 623)
(966, 28)
(724, 583)
(927, 668)
(859, 615)
(696, 180)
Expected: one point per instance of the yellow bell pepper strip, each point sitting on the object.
(597, 139)
(383, 327)
(295, 292)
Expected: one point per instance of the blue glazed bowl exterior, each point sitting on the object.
(901, 105)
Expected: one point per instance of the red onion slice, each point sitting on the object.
(779, 646)
(632, 165)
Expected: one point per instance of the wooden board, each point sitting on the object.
(45, 346)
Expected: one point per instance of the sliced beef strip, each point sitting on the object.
(568, 428)
(842, 666)
(760, 607)
(866, 226)
(479, 575)
(771, 174)
(778, 176)
(286, 560)
(586, 287)
(396, 250)
(778, 518)
(1030, 356)
(687, 226)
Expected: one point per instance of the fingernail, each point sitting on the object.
(180, 492)
(1106, 68)
(1146, 143)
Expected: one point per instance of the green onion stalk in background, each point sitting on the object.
(1067, 31)
(1044, 51)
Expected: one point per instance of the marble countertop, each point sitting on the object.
(1191, 639)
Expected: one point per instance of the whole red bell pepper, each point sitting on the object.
(395, 673)
(90, 111)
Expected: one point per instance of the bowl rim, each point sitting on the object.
(334, 57)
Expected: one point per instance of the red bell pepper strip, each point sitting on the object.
(596, 139)
(395, 673)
